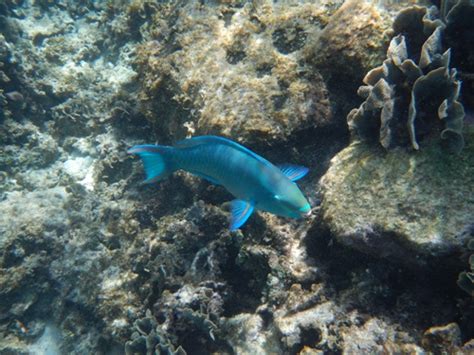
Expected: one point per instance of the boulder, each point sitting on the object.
(396, 204)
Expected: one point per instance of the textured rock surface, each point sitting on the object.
(238, 71)
(397, 204)
(444, 338)
(4, 79)
(353, 42)
(354, 34)
(59, 143)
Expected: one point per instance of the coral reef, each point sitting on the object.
(147, 339)
(414, 93)
(57, 137)
(91, 261)
(354, 41)
(237, 71)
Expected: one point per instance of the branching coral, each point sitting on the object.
(414, 93)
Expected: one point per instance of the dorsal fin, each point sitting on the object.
(195, 141)
(293, 172)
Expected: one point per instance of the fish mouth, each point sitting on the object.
(305, 210)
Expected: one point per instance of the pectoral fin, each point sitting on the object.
(293, 172)
(240, 212)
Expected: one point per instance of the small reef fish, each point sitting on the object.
(21, 327)
(14, 96)
(253, 180)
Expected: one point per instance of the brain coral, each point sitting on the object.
(234, 71)
(414, 93)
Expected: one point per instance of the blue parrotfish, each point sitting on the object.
(254, 181)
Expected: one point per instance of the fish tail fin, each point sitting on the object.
(156, 159)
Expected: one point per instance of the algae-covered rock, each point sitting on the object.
(236, 71)
(443, 338)
(398, 204)
(414, 94)
(376, 337)
(353, 41)
(249, 335)
(29, 224)
(313, 323)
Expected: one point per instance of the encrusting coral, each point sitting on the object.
(414, 93)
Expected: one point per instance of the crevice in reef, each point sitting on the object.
(383, 288)
(246, 281)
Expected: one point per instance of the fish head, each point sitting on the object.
(291, 201)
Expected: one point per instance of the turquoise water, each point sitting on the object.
(375, 98)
